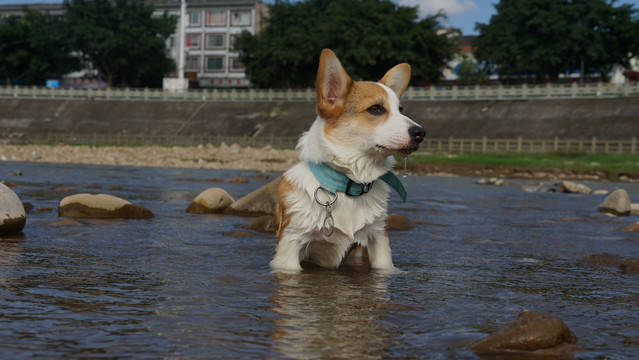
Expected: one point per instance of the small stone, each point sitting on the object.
(100, 206)
(398, 222)
(237, 180)
(210, 201)
(634, 209)
(12, 213)
(481, 182)
(634, 227)
(574, 188)
(601, 192)
(65, 222)
(262, 224)
(617, 203)
(630, 266)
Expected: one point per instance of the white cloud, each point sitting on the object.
(449, 7)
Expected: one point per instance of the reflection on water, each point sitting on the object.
(181, 286)
(327, 313)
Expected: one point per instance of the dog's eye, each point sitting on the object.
(401, 109)
(376, 110)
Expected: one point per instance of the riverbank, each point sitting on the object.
(270, 159)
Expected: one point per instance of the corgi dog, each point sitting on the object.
(336, 196)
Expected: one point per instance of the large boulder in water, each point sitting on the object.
(101, 206)
(532, 334)
(209, 201)
(617, 203)
(259, 202)
(12, 214)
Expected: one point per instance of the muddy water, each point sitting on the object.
(188, 286)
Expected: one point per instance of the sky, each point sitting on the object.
(462, 14)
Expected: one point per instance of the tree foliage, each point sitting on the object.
(548, 37)
(14, 49)
(121, 39)
(369, 36)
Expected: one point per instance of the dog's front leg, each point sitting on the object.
(379, 251)
(287, 254)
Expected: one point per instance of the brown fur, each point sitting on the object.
(281, 219)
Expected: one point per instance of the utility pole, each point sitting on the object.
(181, 53)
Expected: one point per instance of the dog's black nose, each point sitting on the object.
(417, 133)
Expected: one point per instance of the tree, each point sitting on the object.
(470, 73)
(369, 36)
(548, 37)
(121, 39)
(51, 53)
(14, 49)
(34, 48)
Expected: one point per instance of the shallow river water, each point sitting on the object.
(187, 286)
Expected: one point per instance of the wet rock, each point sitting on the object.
(574, 187)
(634, 227)
(28, 207)
(604, 260)
(209, 201)
(532, 334)
(617, 203)
(100, 206)
(262, 224)
(398, 222)
(491, 181)
(540, 188)
(630, 266)
(237, 180)
(634, 209)
(65, 222)
(12, 214)
(259, 202)
(241, 234)
(8, 184)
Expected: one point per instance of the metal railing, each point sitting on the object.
(449, 145)
(523, 91)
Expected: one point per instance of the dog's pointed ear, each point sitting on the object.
(333, 85)
(397, 78)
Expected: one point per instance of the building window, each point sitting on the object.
(215, 41)
(194, 18)
(216, 18)
(233, 40)
(192, 41)
(236, 65)
(192, 63)
(241, 18)
(215, 63)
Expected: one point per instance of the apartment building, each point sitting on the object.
(210, 31)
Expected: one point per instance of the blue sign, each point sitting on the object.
(53, 84)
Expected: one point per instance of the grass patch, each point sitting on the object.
(615, 163)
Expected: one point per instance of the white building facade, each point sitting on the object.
(211, 29)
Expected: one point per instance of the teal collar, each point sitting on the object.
(333, 181)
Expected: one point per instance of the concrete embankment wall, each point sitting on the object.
(610, 118)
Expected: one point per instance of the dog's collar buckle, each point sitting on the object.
(350, 191)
